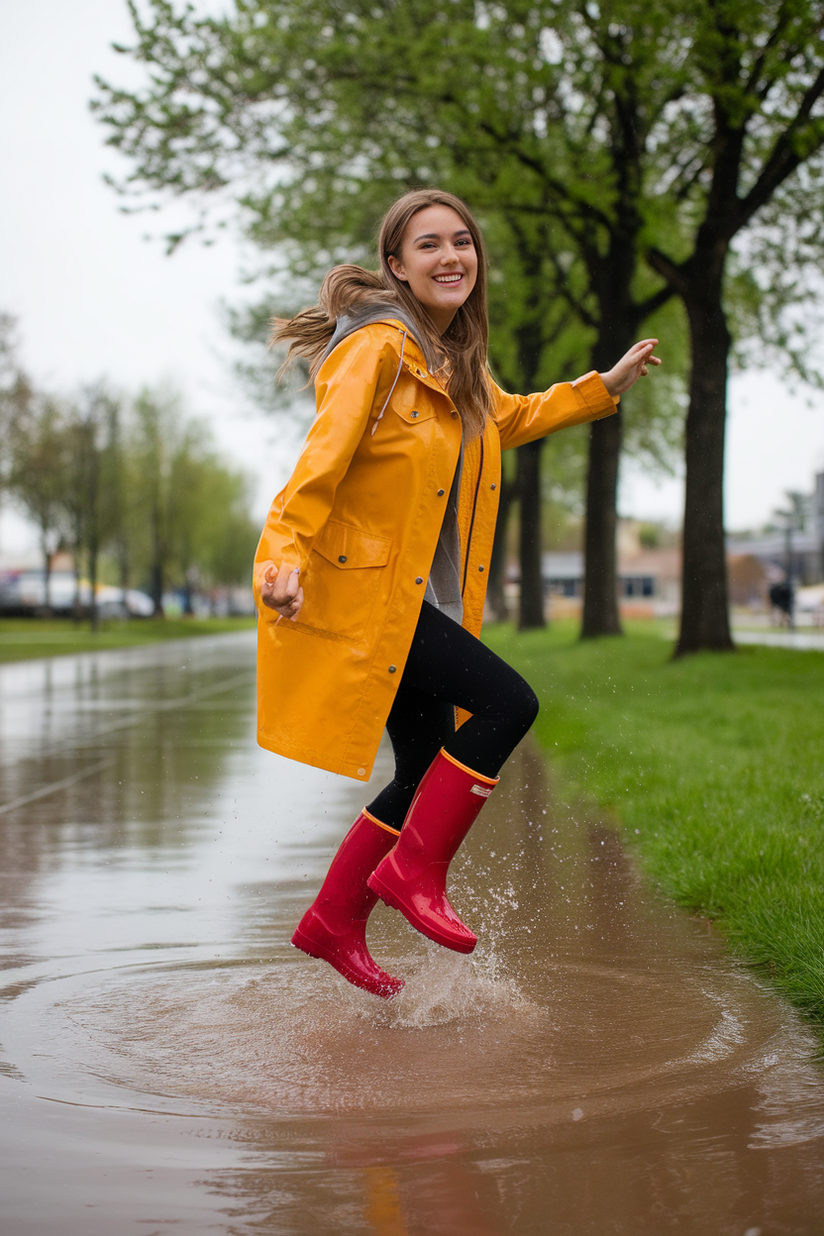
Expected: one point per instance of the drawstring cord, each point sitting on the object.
(394, 384)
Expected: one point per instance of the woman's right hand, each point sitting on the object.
(281, 591)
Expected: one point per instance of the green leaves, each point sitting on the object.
(615, 154)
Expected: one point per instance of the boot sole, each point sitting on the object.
(424, 926)
(384, 990)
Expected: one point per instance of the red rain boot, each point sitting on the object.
(412, 878)
(334, 926)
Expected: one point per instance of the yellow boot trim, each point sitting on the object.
(380, 823)
(476, 776)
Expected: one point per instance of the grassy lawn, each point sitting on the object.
(712, 767)
(22, 638)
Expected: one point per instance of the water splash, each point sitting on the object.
(446, 988)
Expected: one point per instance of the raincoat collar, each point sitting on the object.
(413, 355)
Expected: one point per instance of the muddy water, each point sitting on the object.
(170, 1065)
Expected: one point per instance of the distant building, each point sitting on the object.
(563, 573)
(806, 545)
(649, 579)
(771, 551)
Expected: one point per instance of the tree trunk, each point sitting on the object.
(77, 603)
(600, 615)
(124, 566)
(531, 614)
(157, 589)
(705, 621)
(47, 564)
(94, 555)
(496, 597)
(93, 547)
(619, 319)
(157, 572)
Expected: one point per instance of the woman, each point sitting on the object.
(372, 568)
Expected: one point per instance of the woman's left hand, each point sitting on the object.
(633, 365)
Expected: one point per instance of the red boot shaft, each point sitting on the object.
(412, 878)
(334, 926)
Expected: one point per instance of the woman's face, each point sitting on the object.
(439, 262)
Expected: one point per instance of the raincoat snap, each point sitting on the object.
(360, 518)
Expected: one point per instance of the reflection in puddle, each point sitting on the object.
(170, 1063)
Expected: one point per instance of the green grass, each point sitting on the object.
(23, 638)
(713, 768)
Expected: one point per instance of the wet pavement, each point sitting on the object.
(805, 641)
(169, 1064)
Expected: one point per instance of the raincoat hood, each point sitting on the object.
(368, 315)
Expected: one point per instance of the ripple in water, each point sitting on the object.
(463, 1036)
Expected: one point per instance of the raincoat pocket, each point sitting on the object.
(343, 579)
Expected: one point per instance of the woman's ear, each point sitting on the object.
(396, 267)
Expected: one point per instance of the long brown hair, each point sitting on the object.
(459, 356)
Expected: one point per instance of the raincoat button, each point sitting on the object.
(393, 669)
(342, 558)
(480, 568)
(454, 416)
(414, 414)
(419, 580)
(361, 772)
(441, 493)
(494, 486)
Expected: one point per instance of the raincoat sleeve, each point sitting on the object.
(348, 385)
(524, 418)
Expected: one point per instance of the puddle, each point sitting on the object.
(170, 1063)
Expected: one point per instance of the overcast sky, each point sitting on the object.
(95, 298)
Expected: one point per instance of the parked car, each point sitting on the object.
(23, 593)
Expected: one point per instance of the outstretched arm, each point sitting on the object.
(633, 365)
(525, 418)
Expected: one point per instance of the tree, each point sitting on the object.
(158, 441)
(120, 489)
(14, 391)
(39, 471)
(192, 509)
(546, 129)
(92, 498)
(751, 120)
(532, 333)
(54, 464)
(227, 534)
(138, 480)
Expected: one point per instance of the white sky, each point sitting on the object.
(94, 298)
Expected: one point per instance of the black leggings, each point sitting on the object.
(446, 667)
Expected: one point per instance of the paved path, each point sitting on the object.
(805, 641)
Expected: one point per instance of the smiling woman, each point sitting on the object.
(371, 571)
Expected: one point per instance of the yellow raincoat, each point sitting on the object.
(361, 516)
